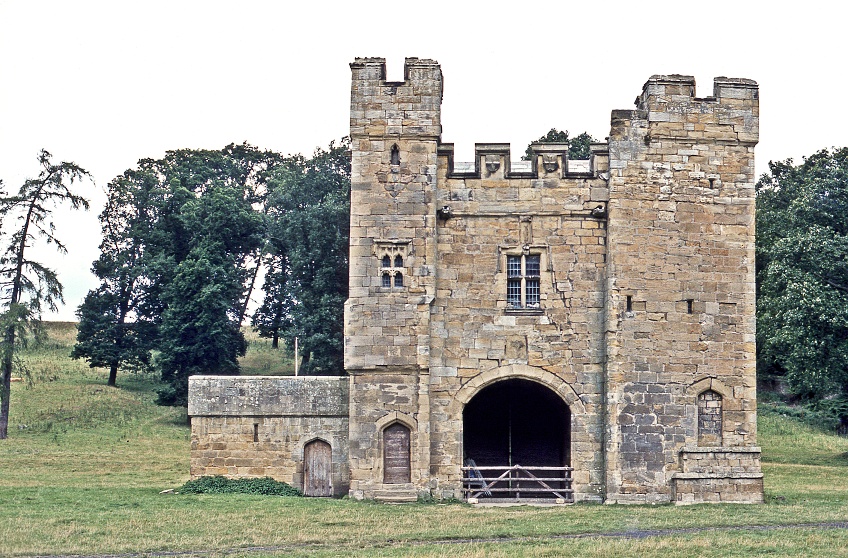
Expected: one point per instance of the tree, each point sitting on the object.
(578, 147)
(275, 311)
(26, 285)
(113, 329)
(200, 330)
(177, 230)
(307, 282)
(802, 273)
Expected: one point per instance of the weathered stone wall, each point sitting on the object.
(646, 283)
(680, 277)
(718, 474)
(258, 426)
(391, 212)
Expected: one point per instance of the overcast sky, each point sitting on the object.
(104, 84)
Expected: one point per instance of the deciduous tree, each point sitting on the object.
(578, 147)
(802, 273)
(200, 331)
(306, 287)
(182, 236)
(114, 329)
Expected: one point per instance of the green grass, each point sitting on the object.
(263, 360)
(85, 464)
(785, 440)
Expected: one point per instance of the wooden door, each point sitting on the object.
(317, 469)
(396, 454)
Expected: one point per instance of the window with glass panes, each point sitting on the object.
(522, 283)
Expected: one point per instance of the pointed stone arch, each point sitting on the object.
(396, 416)
(709, 383)
(397, 446)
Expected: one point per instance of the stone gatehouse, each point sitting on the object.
(594, 317)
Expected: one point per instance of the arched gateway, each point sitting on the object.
(517, 442)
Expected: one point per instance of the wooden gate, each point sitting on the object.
(317, 469)
(396, 454)
(516, 482)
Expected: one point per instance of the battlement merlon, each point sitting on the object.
(395, 109)
(684, 86)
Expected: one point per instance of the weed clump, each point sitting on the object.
(265, 486)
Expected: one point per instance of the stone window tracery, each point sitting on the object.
(392, 257)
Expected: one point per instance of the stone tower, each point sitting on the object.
(394, 131)
(623, 284)
(680, 354)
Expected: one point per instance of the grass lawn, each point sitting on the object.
(82, 471)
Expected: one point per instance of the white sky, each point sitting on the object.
(107, 83)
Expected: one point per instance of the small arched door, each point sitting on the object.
(396, 468)
(317, 469)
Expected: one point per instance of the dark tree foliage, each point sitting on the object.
(200, 331)
(275, 312)
(182, 238)
(106, 337)
(307, 282)
(26, 285)
(802, 273)
(115, 328)
(578, 147)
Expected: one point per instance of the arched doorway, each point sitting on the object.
(317, 469)
(518, 422)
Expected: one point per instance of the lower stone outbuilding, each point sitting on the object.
(292, 429)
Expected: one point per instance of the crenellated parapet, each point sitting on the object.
(697, 146)
(549, 160)
(675, 112)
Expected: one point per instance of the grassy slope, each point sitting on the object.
(262, 360)
(84, 476)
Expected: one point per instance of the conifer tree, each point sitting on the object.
(26, 286)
